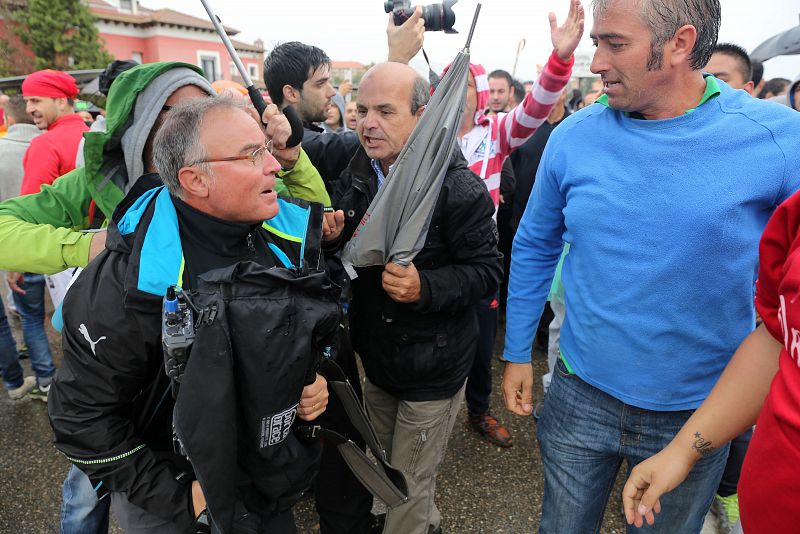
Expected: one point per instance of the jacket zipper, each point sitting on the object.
(250, 245)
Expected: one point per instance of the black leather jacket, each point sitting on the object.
(425, 352)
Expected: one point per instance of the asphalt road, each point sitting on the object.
(480, 489)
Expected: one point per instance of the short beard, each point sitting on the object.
(311, 115)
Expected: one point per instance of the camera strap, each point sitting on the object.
(432, 76)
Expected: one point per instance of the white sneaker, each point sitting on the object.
(19, 393)
(40, 393)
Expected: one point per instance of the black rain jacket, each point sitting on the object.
(425, 350)
(111, 406)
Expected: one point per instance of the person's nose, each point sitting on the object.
(369, 121)
(599, 63)
(269, 164)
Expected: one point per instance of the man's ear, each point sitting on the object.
(420, 111)
(290, 94)
(63, 106)
(679, 48)
(194, 182)
(749, 87)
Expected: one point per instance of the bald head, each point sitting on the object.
(403, 76)
(391, 98)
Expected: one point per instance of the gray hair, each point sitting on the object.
(177, 143)
(420, 94)
(664, 17)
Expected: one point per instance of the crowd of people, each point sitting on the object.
(641, 235)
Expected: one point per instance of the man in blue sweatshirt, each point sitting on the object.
(662, 189)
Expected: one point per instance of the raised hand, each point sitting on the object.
(567, 36)
(406, 40)
(279, 130)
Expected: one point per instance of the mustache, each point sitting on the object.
(372, 134)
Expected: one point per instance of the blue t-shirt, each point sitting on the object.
(663, 218)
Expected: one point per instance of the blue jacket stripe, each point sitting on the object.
(291, 219)
(129, 222)
(281, 255)
(160, 261)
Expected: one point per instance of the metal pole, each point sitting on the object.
(228, 44)
(255, 95)
(520, 48)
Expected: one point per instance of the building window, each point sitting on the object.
(233, 69)
(137, 57)
(126, 5)
(253, 70)
(209, 66)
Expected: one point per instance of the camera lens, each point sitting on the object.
(440, 17)
(437, 17)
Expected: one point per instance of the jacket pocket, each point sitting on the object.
(415, 354)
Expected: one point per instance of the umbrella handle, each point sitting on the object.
(291, 115)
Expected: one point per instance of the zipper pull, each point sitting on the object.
(250, 243)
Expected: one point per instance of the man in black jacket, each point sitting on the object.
(415, 327)
(298, 75)
(110, 405)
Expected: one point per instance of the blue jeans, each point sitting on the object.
(31, 311)
(10, 368)
(81, 511)
(585, 434)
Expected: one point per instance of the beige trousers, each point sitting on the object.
(415, 435)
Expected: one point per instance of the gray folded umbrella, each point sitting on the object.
(396, 223)
(783, 44)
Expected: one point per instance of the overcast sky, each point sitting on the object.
(354, 30)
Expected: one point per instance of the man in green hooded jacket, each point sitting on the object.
(45, 232)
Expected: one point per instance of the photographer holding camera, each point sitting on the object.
(486, 140)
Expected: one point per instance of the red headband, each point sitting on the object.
(51, 84)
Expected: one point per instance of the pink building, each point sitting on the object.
(132, 31)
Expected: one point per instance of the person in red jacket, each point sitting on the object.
(49, 96)
(761, 386)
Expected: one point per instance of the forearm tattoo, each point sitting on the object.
(702, 446)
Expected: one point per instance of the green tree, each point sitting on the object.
(62, 34)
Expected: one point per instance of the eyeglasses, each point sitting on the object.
(256, 157)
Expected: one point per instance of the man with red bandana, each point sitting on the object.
(49, 96)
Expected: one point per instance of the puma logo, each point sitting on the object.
(85, 331)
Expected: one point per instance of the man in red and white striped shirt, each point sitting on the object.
(486, 140)
(502, 133)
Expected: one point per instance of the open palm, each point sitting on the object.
(566, 37)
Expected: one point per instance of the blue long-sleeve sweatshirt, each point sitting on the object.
(663, 218)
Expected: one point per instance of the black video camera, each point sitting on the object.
(437, 17)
